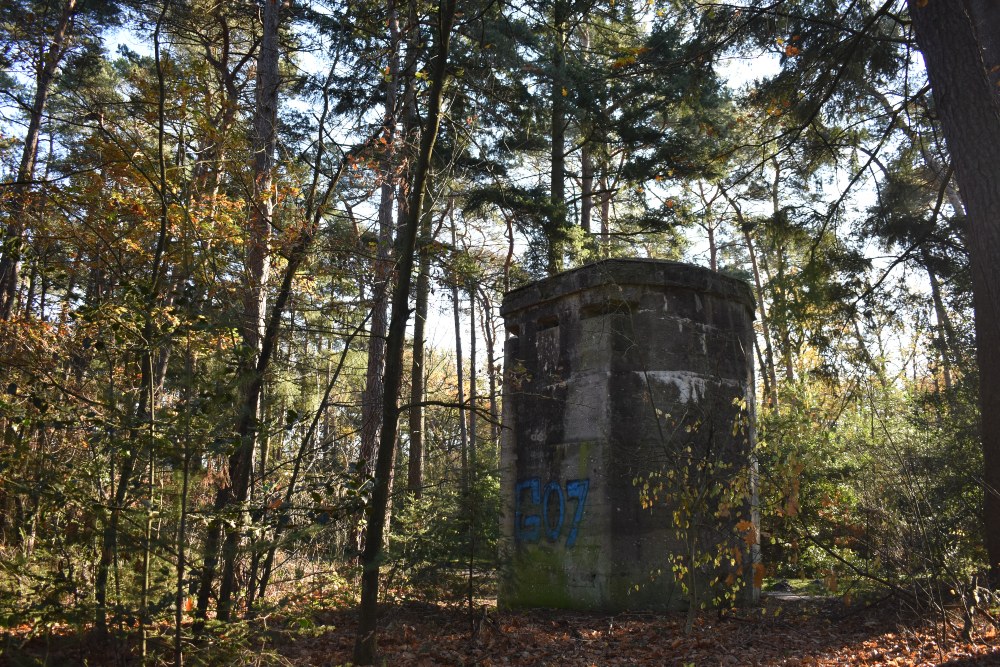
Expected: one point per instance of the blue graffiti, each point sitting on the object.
(576, 488)
(552, 531)
(528, 527)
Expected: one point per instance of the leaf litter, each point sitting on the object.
(792, 632)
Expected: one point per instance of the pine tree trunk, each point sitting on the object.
(253, 333)
(557, 178)
(586, 190)
(472, 382)
(371, 400)
(586, 161)
(605, 216)
(366, 646)
(255, 300)
(415, 472)
(14, 236)
(463, 434)
(491, 360)
(765, 326)
(943, 329)
(966, 103)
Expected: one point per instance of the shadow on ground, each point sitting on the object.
(785, 630)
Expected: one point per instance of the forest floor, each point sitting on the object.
(786, 630)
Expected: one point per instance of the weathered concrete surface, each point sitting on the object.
(627, 391)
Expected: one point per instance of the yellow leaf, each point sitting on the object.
(831, 581)
(623, 62)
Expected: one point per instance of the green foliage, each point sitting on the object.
(878, 484)
(441, 536)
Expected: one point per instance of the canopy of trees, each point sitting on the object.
(229, 229)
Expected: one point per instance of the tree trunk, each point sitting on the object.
(710, 224)
(182, 510)
(491, 361)
(255, 299)
(605, 216)
(415, 476)
(14, 236)
(472, 382)
(366, 646)
(771, 396)
(943, 330)
(985, 16)
(459, 371)
(411, 125)
(371, 400)
(967, 106)
(586, 190)
(765, 326)
(586, 161)
(781, 298)
(557, 178)
(255, 338)
(713, 251)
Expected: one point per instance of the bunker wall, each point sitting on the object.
(628, 391)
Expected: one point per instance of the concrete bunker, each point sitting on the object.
(626, 464)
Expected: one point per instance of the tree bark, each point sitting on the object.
(472, 382)
(463, 434)
(14, 234)
(411, 124)
(970, 118)
(491, 361)
(371, 400)
(771, 385)
(256, 344)
(255, 300)
(943, 329)
(605, 216)
(985, 16)
(557, 178)
(586, 162)
(366, 646)
(586, 190)
(415, 471)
